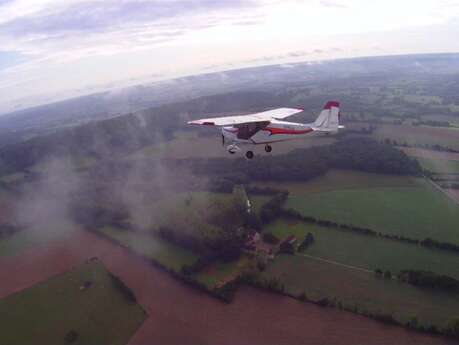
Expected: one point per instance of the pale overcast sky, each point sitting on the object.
(53, 49)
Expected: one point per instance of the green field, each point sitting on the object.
(37, 236)
(48, 311)
(220, 272)
(362, 290)
(195, 213)
(418, 135)
(439, 165)
(174, 257)
(257, 201)
(423, 99)
(341, 179)
(367, 251)
(418, 212)
(152, 247)
(11, 178)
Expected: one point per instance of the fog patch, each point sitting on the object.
(42, 207)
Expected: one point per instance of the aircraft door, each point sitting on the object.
(247, 130)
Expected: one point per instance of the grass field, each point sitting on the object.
(257, 201)
(419, 211)
(342, 179)
(194, 213)
(423, 99)
(174, 257)
(367, 251)
(417, 135)
(48, 311)
(11, 178)
(439, 165)
(435, 161)
(220, 272)
(166, 253)
(362, 290)
(25, 239)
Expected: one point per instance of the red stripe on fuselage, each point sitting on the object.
(286, 131)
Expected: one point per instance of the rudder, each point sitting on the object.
(328, 119)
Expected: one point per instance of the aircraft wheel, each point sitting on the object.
(249, 154)
(268, 148)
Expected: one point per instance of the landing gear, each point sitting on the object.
(233, 149)
(268, 148)
(249, 154)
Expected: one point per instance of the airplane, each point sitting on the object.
(268, 127)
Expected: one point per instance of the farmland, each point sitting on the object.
(415, 135)
(54, 232)
(152, 247)
(218, 273)
(440, 166)
(367, 251)
(173, 257)
(419, 211)
(436, 162)
(188, 212)
(361, 291)
(251, 318)
(429, 154)
(140, 194)
(59, 309)
(342, 180)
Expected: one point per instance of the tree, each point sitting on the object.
(71, 337)
(268, 237)
(387, 275)
(413, 322)
(452, 327)
(261, 265)
(303, 297)
(308, 240)
(286, 248)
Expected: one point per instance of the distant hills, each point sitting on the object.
(125, 120)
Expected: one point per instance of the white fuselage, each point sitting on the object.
(275, 131)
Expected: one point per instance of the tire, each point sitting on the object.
(249, 154)
(268, 148)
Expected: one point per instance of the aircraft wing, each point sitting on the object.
(274, 114)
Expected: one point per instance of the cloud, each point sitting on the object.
(334, 4)
(65, 45)
(97, 16)
(78, 28)
(8, 59)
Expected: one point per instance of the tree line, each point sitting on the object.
(361, 154)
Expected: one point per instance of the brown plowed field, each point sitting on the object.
(178, 314)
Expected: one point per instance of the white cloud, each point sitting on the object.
(72, 43)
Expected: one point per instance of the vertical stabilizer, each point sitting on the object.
(328, 119)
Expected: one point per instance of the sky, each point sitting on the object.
(56, 49)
